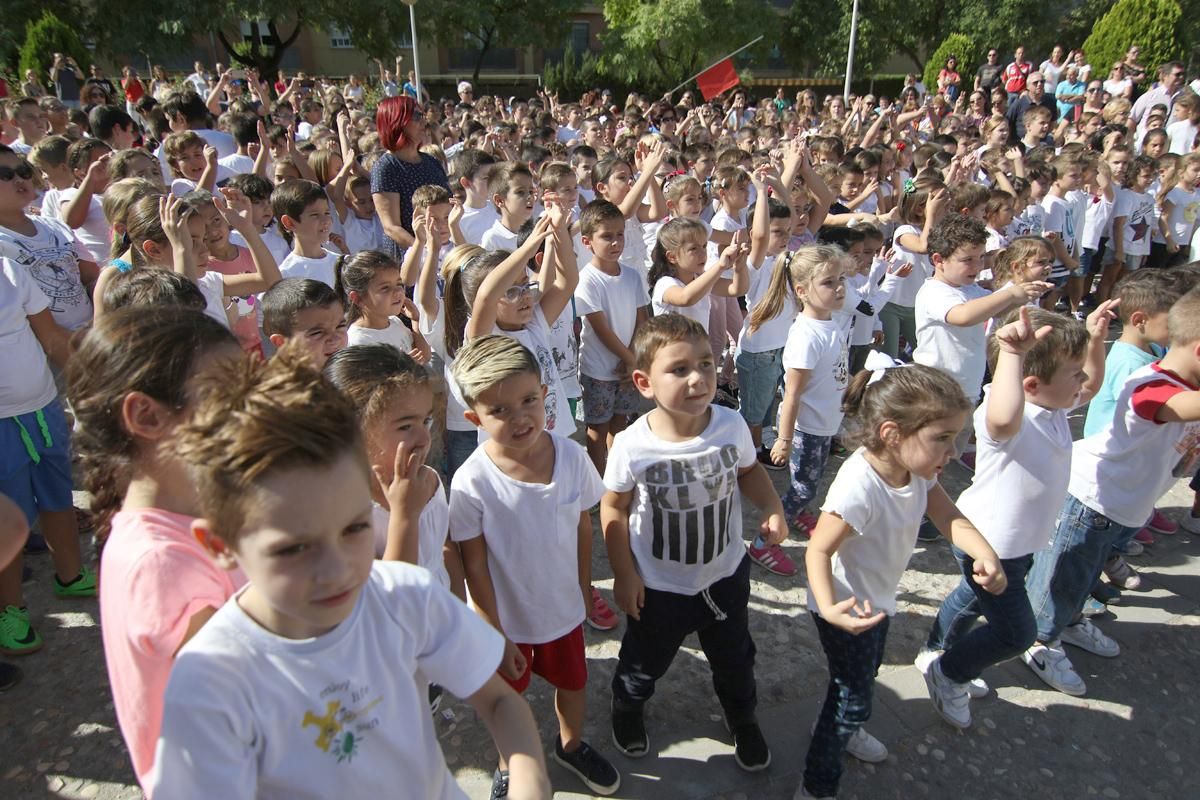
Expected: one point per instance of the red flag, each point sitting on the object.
(718, 78)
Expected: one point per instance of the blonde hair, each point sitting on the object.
(795, 269)
(1014, 257)
(488, 360)
(455, 306)
(1183, 320)
(117, 201)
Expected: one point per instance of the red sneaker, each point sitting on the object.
(772, 559)
(1161, 523)
(601, 617)
(805, 523)
(1144, 536)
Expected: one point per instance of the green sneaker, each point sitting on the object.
(17, 636)
(82, 586)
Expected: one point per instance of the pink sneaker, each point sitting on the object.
(772, 559)
(1144, 536)
(804, 522)
(1161, 523)
(601, 617)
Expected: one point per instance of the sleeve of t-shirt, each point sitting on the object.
(33, 299)
(588, 297)
(1151, 396)
(466, 508)
(1124, 203)
(171, 585)
(1055, 217)
(937, 303)
(747, 456)
(618, 473)
(802, 351)
(591, 486)
(460, 650)
(847, 497)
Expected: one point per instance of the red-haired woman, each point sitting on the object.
(402, 170)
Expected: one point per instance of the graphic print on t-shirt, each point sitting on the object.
(546, 360)
(55, 267)
(690, 503)
(342, 728)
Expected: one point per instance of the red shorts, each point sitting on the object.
(561, 662)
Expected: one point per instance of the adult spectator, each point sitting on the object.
(987, 77)
(98, 80)
(1170, 84)
(1118, 83)
(353, 91)
(1070, 93)
(66, 76)
(1094, 98)
(466, 92)
(410, 89)
(32, 87)
(1133, 69)
(160, 83)
(199, 79)
(949, 81)
(134, 89)
(401, 170)
(1052, 68)
(57, 114)
(93, 95)
(1016, 74)
(1085, 69)
(1035, 95)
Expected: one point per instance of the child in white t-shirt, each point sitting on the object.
(362, 228)
(511, 187)
(672, 522)
(80, 206)
(732, 186)
(952, 311)
(302, 209)
(532, 583)
(613, 180)
(1181, 211)
(921, 205)
(305, 683)
(258, 191)
(1043, 366)
(1059, 226)
(1134, 218)
(906, 421)
(471, 169)
(374, 294)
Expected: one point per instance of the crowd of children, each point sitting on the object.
(488, 327)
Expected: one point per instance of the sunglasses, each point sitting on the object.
(1093, 89)
(23, 170)
(515, 293)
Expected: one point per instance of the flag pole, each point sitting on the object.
(850, 53)
(718, 61)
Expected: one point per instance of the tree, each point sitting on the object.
(1153, 25)
(18, 15)
(47, 36)
(657, 45)
(487, 24)
(958, 45)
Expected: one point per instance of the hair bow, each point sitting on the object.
(879, 363)
(910, 186)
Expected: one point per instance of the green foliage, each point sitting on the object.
(44, 38)
(956, 44)
(1153, 25)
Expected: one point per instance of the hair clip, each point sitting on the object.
(879, 363)
(910, 186)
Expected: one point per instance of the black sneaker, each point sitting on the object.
(764, 458)
(750, 748)
(435, 697)
(589, 766)
(928, 532)
(500, 784)
(629, 731)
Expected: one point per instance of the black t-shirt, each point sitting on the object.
(989, 76)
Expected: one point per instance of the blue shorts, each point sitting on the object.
(35, 460)
(759, 375)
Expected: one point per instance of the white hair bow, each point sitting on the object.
(879, 363)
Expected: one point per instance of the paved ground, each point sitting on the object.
(1131, 737)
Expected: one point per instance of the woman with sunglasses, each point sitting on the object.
(1118, 83)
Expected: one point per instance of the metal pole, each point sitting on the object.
(412, 18)
(718, 61)
(850, 54)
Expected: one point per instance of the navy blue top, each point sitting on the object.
(391, 174)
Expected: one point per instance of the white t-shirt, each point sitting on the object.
(875, 288)
(685, 522)
(433, 526)
(906, 290)
(50, 203)
(51, 257)
(1033, 467)
(1096, 218)
(1185, 209)
(237, 163)
(212, 286)
(565, 346)
(396, 334)
(618, 297)
(94, 233)
(698, 311)
(635, 253)
(868, 565)
(1060, 219)
(322, 269)
(534, 567)
(958, 350)
(1029, 222)
(475, 222)
(772, 334)
(1123, 470)
(26, 383)
(249, 714)
(272, 238)
(498, 237)
(362, 234)
(823, 348)
(433, 327)
(536, 337)
(1182, 134)
(1140, 219)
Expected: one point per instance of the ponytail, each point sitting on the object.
(455, 308)
(773, 300)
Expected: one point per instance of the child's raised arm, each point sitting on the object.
(174, 215)
(1097, 326)
(407, 493)
(760, 224)
(981, 309)
(560, 273)
(483, 312)
(75, 211)
(426, 295)
(208, 178)
(1006, 401)
(263, 158)
(652, 159)
(235, 208)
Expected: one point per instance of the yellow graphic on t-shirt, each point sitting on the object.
(327, 725)
(1190, 212)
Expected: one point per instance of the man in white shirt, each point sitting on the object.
(1170, 83)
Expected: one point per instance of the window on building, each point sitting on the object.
(581, 37)
(339, 39)
(249, 27)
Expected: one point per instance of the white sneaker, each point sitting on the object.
(1086, 636)
(866, 747)
(976, 689)
(1050, 663)
(949, 698)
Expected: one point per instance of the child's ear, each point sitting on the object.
(937, 260)
(277, 340)
(153, 249)
(286, 222)
(464, 182)
(889, 433)
(587, 240)
(145, 417)
(538, 256)
(1031, 384)
(641, 382)
(354, 297)
(215, 546)
(470, 416)
(1138, 318)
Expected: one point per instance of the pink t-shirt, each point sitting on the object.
(246, 327)
(156, 576)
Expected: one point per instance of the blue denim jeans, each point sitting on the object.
(853, 663)
(1009, 631)
(1064, 573)
(809, 456)
(459, 446)
(759, 375)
